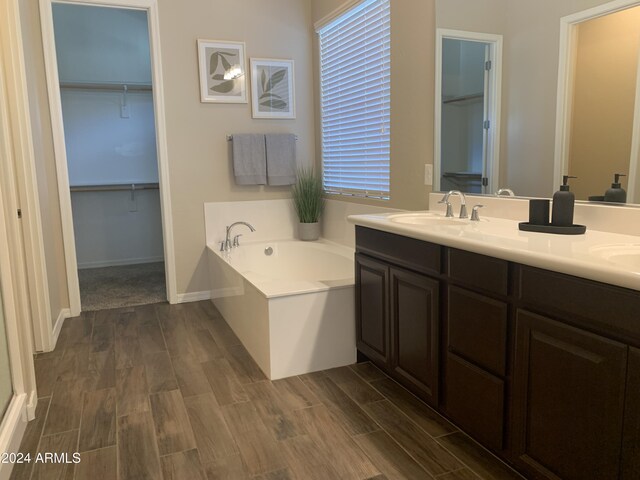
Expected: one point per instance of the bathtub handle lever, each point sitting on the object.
(222, 246)
(236, 240)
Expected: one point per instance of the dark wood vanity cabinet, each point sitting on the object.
(414, 332)
(631, 432)
(398, 312)
(568, 400)
(542, 368)
(372, 309)
(475, 364)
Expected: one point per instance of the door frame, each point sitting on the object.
(25, 175)
(53, 87)
(14, 275)
(494, 106)
(566, 77)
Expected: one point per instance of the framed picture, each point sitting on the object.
(223, 71)
(272, 84)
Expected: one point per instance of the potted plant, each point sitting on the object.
(308, 202)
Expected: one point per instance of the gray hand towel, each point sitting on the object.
(281, 159)
(249, 159)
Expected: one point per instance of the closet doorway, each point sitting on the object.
(111, 164)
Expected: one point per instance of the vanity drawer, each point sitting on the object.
(406, 252)
(477, 329)
(479, 271)
(606, 309)
(474, 399)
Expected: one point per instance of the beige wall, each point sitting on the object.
(200, 167)
(484, 16)
(603, 101)
(44, 158)
(412, 86)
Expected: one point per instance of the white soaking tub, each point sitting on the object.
(291, 303)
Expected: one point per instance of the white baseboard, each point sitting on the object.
(12, 430)
(119, 263)
(62, 316)
(193, 297)
(32, 403)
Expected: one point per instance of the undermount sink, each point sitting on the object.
(624, 255)
(425, 218)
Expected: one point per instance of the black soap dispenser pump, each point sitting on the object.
(616, 193)
(563, 204)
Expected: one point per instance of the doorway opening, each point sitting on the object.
(467, 111)
(110, 155)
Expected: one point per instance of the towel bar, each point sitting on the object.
(230, 137)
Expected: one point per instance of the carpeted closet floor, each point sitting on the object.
(122, 286)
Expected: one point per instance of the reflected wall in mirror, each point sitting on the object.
(528, 141)
(599, 142)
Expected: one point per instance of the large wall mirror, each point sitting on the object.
(587, 124)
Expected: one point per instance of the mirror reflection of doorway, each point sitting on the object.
(463, 106)
(467, 114)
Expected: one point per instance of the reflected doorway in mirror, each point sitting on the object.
(467, 111)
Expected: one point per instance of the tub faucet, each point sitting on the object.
(463, 202)
(227, 242)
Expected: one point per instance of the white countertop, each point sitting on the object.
(596, 255)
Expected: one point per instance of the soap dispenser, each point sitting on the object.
(616, 193)
(563, 204)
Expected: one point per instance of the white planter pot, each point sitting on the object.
(309, 231)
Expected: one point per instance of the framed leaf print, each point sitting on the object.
(273, 92)
(223, 71)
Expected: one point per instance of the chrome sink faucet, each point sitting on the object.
(505, 191)
(228, 244)
(463, 203)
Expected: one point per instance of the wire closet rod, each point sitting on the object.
(230, 137)
(116, 87)
(118, 187)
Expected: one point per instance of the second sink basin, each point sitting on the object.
(425, 218)
(624, 255)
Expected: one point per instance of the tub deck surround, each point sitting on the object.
(293, 309)
(580, 255)
(291, 267)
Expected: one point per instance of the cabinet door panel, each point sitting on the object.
(414, 320)
(631, 438)
(474, 399)
(372, 308)
(568, 400)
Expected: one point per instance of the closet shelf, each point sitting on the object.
(116, 87)
(463, 99)
(119, 187)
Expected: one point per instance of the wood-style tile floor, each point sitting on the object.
(169, 392)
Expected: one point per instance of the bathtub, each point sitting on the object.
(290, 303)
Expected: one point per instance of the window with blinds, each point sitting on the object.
(355, 101)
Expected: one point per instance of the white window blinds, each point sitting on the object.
(355, 101)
